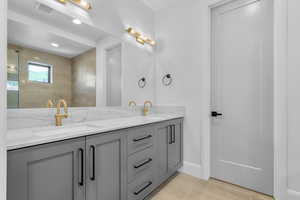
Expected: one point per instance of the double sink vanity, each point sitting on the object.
(115, 159)
(107, 147)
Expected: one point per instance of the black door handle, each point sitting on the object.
(215, 114)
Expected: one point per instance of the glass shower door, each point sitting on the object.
(12, 78)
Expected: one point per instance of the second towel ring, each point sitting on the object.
(167, 80)
(142, 82)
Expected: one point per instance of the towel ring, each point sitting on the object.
(142, 82)
(167, 80)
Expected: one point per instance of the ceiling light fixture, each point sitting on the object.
(81, 3)
(76, 21)
(139, 38)
(54, 44)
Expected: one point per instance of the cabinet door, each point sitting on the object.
(162, 139)
(106, 167)
(47, 172)
(175, 146)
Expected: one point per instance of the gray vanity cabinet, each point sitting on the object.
(168, 148)
(120, 165)
(175, 148)
(47, 172)
(106, 170)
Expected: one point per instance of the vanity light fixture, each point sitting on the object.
(150, 41)
(76, 21)
(139, 38)
(54, 44)
(81, 3)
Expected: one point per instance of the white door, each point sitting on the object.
(242, 91)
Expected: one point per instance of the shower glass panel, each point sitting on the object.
(12, 78)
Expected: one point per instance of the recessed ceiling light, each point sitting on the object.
(54, 44)
(76, 21)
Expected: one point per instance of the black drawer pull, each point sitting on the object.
(144, 188)
(143, 138)
(81, 179)
(92, 149)
(174, 134)
(142, 164)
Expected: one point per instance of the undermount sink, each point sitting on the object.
(50, 131)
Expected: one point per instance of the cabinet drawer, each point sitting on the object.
(141, 187)
(140, 163)
(139, 139)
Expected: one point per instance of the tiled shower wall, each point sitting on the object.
(34, 94)
(84, 79)
(74, 79)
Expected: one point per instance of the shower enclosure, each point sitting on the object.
(13, 78)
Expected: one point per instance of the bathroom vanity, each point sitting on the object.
(122, 159)
(102, 149)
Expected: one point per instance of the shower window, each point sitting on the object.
(38, 72)
(12, 85)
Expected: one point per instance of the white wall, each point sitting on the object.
(137, 62)
(183, 38)
(293, 99)
(3, 44)
(182, 51)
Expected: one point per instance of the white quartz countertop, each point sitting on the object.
(20, 138)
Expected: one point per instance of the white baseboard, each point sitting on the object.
(293, 195)
(192, 169)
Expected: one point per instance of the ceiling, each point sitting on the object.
(159, 4)
(73, 39)
(34, 38)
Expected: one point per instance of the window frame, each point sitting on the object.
(44, 65)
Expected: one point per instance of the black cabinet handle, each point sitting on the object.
(144, 188)
(143, 138)
(81, 161)
(142, 164)
(170, 134)
(92, 150)
(174, 134)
